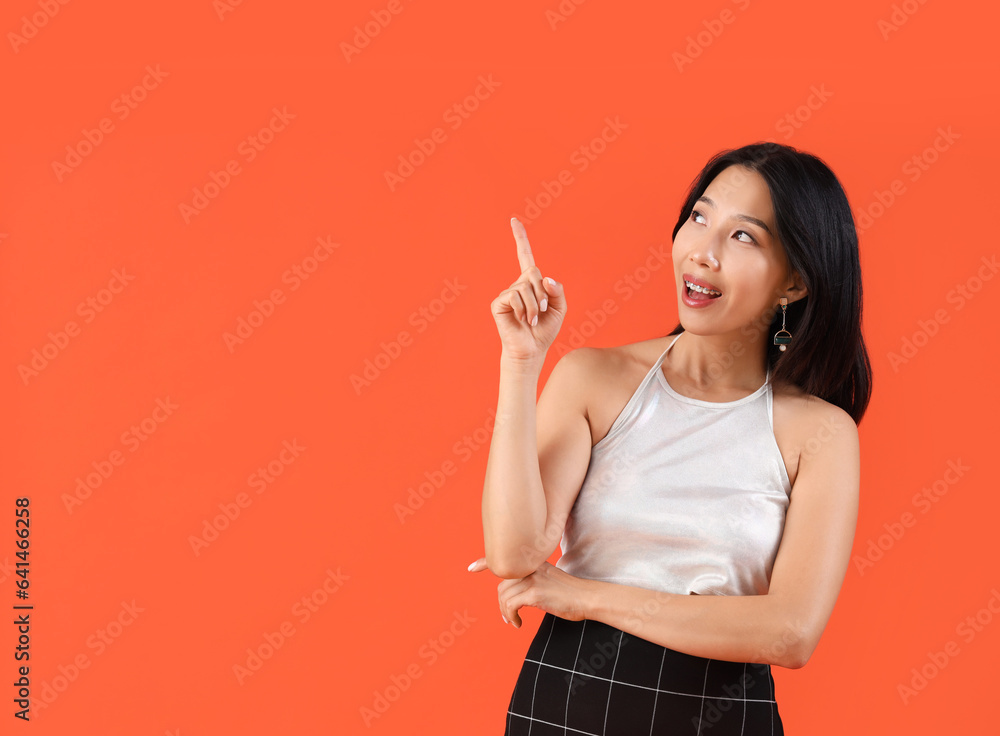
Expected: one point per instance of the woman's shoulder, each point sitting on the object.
(608, 376)
(614, 361)
(808, 415)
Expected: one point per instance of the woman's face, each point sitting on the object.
(729, 242)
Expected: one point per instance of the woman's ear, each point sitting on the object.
(798, 288)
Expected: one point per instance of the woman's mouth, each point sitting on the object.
(696, 295)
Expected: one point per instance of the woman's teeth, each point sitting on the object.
(702, 290)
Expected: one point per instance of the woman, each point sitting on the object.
(704, 485)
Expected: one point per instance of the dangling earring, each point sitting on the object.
(782, 340)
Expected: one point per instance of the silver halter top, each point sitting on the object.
(682, 495)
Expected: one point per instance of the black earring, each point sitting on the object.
(781, 340)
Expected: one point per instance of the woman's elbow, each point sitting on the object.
(791, 645)
(799, 651)
(509, 567)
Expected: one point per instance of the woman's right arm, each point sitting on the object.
(536, 463)
(538, 459)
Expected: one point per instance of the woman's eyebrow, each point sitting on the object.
(745, 218)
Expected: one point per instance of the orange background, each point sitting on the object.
(169, 668)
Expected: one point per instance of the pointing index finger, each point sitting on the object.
(524, 256)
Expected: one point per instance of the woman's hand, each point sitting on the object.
(548, 588)
(530, 312)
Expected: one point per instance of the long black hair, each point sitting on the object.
(827, 356)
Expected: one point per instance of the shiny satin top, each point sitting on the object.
(682, 495)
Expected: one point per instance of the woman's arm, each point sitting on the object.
(737, 628)
(514, 507)
(536, 464)
(784, 626)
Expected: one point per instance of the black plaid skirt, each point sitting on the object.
(586, 677)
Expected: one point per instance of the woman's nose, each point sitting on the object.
(705, 257)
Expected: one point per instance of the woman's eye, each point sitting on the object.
(696, 214)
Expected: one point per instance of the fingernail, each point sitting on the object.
(472, 565)
(544, 304)
(534, 320)
(504, 619)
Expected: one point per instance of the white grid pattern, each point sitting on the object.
(744, 683)
(646, 687)
(509, 714)
(562, 647)
(611, 686)
(570, 691)
(771, 709)
(703, 686)
(659, 676)
(533, 689)
(550, 723)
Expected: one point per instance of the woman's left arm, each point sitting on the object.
(782, 627)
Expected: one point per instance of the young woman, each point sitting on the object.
(704, 485)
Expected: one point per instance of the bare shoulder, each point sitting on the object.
(806, 425)
(598, 363)
(808, 413)
(607, 377)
